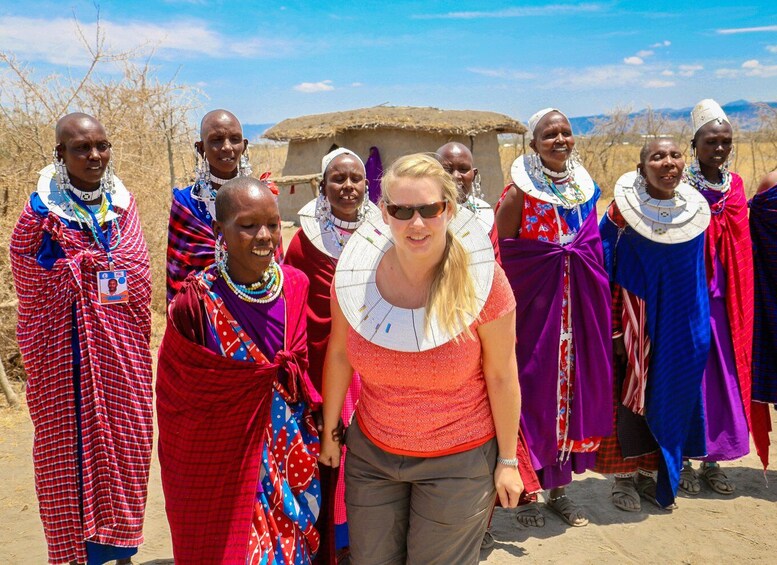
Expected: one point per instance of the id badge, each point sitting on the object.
(112, 287)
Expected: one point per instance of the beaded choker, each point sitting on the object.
(566, 173)
(219, 181)
(85, 195)
(265, 290)
(696, 179)
(342, 224)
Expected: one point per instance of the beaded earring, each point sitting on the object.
(107, 184)
(61, 177)
(244, 168)
(221, 253)
(323, 207)
(202, 189)
(477, 191)
(640, 183)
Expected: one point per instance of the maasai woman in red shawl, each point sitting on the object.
(327, 224)
(552, 255)
(222, 154)
(88, 361)
(729, 261)
(237, 443)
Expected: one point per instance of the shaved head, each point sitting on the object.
(69, 124)
(214, 117)
(453, 148)
(650, 145)
(229, 196)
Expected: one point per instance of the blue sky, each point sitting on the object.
(267, 61)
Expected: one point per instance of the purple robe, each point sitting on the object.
(535, 270)
(727, 434)
(374, 170)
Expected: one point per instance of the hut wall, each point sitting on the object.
(304, 157)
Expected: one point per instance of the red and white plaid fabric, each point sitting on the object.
(116, 388)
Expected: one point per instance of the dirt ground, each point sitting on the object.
(704, 529)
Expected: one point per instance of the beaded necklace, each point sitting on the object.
(94, 221)
(696, 179)
(340, 229)
(265, 290)
(566, 201)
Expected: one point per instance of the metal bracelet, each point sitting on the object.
(507, 462)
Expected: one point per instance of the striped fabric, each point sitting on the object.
(115, 372)
(190, 240)
(637, 344)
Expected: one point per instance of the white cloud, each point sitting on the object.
(771, 48)
(656, 83)
(605, 76)
(667, 73)
(633, 60)
(729, 31)
(310, 87)
(502, 73)
(525, 11)
(664, 43)
(750, 68)
(357, 84)
(645, 53)
(689, 70)
(56, 41)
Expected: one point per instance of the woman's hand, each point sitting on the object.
(330, 450)
(509, 485)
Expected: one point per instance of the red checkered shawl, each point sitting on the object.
(212, 413)
(115, 374)
(728, 239)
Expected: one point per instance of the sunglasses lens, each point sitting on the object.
(432, 210)
(400, 212)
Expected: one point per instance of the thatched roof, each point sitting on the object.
(450, 122)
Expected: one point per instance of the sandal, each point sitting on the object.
(487, 542)
(567, 511)
(530, 516)
(689, 480)
(624, 495)
(714, 476)
(646, 487)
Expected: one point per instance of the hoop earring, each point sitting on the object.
(640, 183)
(202, 188)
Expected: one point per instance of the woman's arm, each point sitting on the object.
(500, 369)
(509, 213)
(338, 373)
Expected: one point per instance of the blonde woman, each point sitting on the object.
(423, 313)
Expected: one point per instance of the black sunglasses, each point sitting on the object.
(427, 211)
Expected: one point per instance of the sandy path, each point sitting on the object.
(704, 529)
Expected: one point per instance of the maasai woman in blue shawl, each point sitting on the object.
(653, 240)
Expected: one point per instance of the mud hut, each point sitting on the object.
(395, 131)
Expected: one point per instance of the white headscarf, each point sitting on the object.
(535, 119)
(705, 112)
(332, 155)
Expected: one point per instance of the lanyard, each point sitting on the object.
(101, 237)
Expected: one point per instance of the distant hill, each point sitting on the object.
(745, 114)
(253, 132)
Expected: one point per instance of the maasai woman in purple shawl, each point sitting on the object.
(551, 252)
